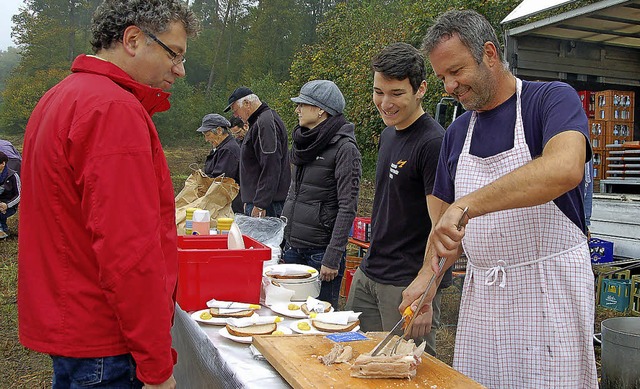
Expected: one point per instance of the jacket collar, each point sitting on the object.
(152, 99)
(254, 116)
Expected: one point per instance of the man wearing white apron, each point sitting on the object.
(516, 160)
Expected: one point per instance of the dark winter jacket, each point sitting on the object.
(10, 188)
(265, 173)
(225, 159)
(322, 200)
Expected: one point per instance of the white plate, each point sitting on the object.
(313, 330)
(248, 339)
(295, 268)
(283, 309)
(216, 321)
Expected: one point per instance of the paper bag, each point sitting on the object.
(201, 191)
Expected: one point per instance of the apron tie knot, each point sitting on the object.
(493, 273)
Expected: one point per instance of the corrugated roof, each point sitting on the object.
(610, 22)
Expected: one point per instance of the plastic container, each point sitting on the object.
(224, 224)
(302, 288)
(601, 250)
(615, 294)
(201, 223)
(188, 222)
(208, 269)
(620, 352)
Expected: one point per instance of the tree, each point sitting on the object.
(8, 61)
(49, 35)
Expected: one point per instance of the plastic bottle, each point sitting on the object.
(224, 224)
(201, 222)
(188, 224)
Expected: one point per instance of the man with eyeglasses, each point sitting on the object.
(97, 243)
(265, 173)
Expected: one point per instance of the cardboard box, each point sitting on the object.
(208, 269)
(601, 250)
(362, 228)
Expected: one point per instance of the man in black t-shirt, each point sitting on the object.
(400, 224)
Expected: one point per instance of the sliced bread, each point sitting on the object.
(326, 327)
(327, 307)
(215, 312)
(259, 329)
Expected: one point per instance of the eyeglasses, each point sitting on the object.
(176, 58)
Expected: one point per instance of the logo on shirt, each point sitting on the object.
(394, 169)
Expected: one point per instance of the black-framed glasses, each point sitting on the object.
(176, 58)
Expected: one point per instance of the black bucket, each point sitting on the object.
(621, 353)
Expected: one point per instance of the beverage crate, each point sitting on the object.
(351, 265)
(601, 250)
(615, 105)
(588, 100)
(634, 304)
(597, 129)
(617, 132)
(608, 272)
(362, 229)
(208, 269)
(599, 161)
(615, 294)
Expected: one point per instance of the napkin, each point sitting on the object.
(342, 317)
(314, 305)
(275, 294)
(254, 319)
(230, 306)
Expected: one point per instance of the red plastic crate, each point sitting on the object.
(208, 269)
(362, 228)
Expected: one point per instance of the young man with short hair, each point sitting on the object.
(407, 160)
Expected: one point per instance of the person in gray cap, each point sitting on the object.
(265, 173)
(224, 157)
(323, 196)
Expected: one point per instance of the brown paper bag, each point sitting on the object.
(212, 194)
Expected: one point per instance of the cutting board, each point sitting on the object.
(295, 358)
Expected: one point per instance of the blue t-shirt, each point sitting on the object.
(548, 108)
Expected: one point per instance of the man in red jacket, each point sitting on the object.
(97, 244)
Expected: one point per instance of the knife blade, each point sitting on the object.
(383, 342)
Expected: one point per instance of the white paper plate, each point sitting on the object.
(216, 321)
(248, 339)
(313, 330)
(283, 309)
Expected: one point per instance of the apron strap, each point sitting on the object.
(500, 269)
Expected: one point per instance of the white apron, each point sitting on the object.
(527, 309)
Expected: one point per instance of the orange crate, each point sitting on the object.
(618, 132)
(614, 105)
(597, 130)
(599, 163)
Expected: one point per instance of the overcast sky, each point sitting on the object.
(8, 8)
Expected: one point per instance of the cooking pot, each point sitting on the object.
(621, 352)
(302, 287)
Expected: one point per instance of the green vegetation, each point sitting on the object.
(271, 46)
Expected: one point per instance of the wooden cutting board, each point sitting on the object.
(295, 358)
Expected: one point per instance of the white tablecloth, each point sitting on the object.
(208, 360)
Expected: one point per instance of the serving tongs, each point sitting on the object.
(408, 311)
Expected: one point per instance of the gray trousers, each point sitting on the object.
(379, 306)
